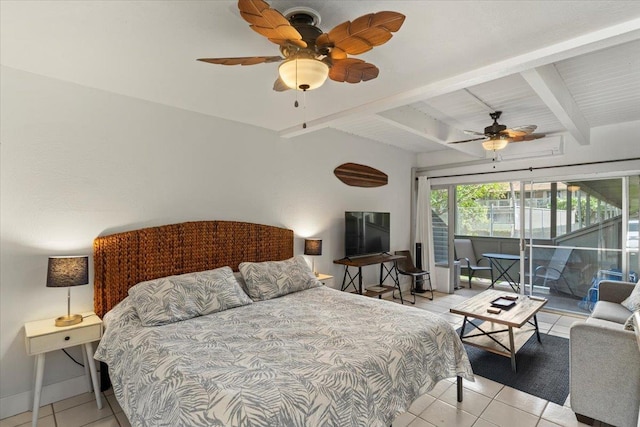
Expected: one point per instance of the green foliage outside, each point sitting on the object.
(581, 210)
(473, 219)
(473, 207)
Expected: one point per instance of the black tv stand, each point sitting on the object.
(385, 271)
(358, 257)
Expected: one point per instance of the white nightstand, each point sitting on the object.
(42, 336)
(322, 278)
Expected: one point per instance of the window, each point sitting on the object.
(440, 224)
(486, 210)
(552, 208)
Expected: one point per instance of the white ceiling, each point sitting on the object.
(566, 66)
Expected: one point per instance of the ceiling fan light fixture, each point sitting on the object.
(496, 143)
(303, 73)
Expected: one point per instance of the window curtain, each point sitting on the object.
(423, 232)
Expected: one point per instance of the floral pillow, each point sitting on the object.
(629, 325)
(272, 279)
(632, 302)
(241, 281)
(175, 298)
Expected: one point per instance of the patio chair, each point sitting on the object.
(406, 267)
(553, 272)
(465, 254)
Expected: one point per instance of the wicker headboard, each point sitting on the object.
(121, 260)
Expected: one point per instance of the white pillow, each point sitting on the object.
(632, 302)
(174, 298)
(271, 279)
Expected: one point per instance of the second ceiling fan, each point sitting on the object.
(496, 136)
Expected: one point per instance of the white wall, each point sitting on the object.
(77, 163)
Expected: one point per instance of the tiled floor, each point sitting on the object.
(76, 411)
(485, 404)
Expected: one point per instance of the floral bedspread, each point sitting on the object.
(318, 357)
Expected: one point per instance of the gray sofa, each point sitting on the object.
(605, 361)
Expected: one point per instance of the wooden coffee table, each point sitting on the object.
(491, 334)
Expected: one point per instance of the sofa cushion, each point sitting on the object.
(604, 323)
(611, 311)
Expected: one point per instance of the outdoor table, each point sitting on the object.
(502, 263)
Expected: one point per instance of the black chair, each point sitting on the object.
(464, 252)
(406, 267)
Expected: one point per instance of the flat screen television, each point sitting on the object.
(366, 233)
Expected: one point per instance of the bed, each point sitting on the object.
(294, 354)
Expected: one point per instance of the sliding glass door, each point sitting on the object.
(569, 234)
(631, 239)
(579, 232)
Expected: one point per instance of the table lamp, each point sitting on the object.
(67, 271)
(313, 247)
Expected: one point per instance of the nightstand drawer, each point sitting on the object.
(63, 339)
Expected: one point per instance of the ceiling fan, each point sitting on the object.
(309, 55)
(497, 136)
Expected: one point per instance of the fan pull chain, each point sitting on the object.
(304, 107)
(304, 88)
(304, 104)
(295, 104)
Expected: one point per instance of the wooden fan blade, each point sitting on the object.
(280, 86)
(337, 53)
(529, 137)
(520, 130)
(468, 140)
(352, 70)
(363, 33)
(243, 60)
(270, 23)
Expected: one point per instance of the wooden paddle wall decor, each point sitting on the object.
(357, 175)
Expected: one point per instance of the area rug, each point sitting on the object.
(542, 368)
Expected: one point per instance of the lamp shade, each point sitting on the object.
(303, 73)
(65, 271)
(313, 247)
(495, 143)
